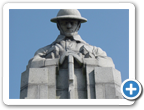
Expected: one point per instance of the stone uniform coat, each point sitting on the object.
(63, 46)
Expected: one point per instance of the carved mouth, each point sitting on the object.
(69, 31)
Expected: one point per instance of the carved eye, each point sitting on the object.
(66, 22)
(71, 23)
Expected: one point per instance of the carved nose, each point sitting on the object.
(69, 25)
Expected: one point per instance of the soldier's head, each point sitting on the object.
(68, 21)
(68, 27)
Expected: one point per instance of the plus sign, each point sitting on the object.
(131, 89)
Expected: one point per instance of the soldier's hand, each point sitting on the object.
(77, 56)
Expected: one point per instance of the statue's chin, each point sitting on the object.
(70, 34)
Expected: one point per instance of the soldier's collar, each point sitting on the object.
(76, 38)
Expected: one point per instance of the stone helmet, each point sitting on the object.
(69, 14)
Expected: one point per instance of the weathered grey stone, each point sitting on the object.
(80, 94)
(110, 91)
(90, 82)
(69, 13)
(107, 83)
(37, 92)
(118, 92)
(107, 75)
(24, 78)
(37, 63)
(40, 83)
(23, 92)
(70, 68)
(100, 91)
(38, 76)
(34, 76)
(62, 94)
(43, 91)
(33, 82)
(95, 82)
(91, 61)
(105, 62)
(51, 62)
(71, 91)
(80, 79)
(62, 83)
(52, 82)
(69, 42)
(33, 92)
(62, 79)
(80, 84)
(117, 77)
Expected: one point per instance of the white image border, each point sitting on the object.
(8, 6)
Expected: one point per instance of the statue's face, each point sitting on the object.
(68, 26)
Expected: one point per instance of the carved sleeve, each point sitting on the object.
(42, 51)
(38, 59)
(102, 58)
(98, 52)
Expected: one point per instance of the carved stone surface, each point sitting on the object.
(70, 68)
(34, 84)
(89, 82)
(108, 82)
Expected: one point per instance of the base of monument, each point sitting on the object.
(89, 82)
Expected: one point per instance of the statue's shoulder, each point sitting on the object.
(97, 51)
(43, 50)
(86, 46)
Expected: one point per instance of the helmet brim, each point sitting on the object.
(83, 20)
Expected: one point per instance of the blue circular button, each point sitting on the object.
(131, 89)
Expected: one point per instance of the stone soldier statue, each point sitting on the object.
(70, 68)
(69, 42)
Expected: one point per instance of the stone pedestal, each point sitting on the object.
(39, 82)
(53, 81)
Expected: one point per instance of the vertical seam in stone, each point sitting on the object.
(104, 89)
(48, 81)
(44, 63)
(95, 82)
(71, 76)
(87, 81)
(38, 91)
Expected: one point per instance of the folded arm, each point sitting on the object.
(102, 58)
